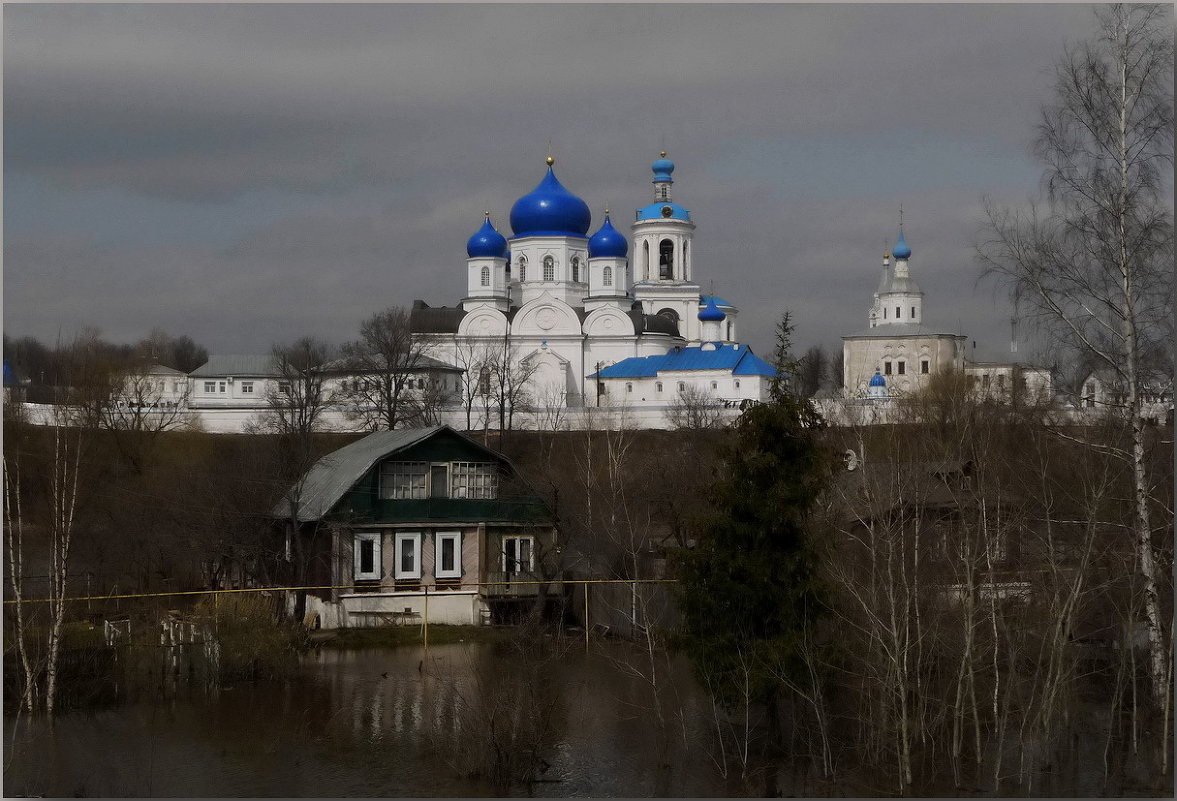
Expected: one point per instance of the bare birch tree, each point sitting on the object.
(1095, 268)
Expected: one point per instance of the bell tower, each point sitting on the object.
(661, 262)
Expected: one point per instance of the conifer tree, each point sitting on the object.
(748, 591)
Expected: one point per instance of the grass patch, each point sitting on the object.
(393, 636)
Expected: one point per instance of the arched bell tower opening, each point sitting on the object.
(665, 260)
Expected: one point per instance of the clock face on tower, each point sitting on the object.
(667, 211)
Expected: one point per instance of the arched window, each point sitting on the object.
(575, 269)
(658, 386)
(715, 385)
(607, 276)
(628, 387)
(486, 276)
(737, 383)
(681, 386)
(913, 312)
(522, 268)
(665, 260)
(549, 268)
(897, 312)
(646, 261)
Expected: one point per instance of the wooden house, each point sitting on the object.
(418, 523)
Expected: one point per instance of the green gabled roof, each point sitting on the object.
(332, 476)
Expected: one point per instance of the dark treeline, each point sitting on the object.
(50, 370)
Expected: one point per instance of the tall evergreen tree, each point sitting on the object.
(747, 591)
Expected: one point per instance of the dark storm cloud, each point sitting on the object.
(250, 173)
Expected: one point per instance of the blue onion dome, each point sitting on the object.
(550, 210)
(608, 242)
(877, 379)
(711, 313)
(901, 250)
(487, 243)
(662, 168)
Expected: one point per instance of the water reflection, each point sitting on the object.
(395, 722)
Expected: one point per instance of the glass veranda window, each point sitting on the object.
(402, 480)
(474, 480)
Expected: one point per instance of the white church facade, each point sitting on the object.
(900, 351)
(589, 323)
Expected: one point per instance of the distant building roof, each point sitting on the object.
(355, 364)
(162, 369)
(237, 365)
(425, 319)
(735, 359)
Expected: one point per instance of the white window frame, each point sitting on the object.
(530, 567)
(398, 571)
(246, 387)
(377, 571)
(210, 386)
(439, 538)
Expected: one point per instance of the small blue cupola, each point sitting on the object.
(877, 379)
(608, 242)
(901, 251)
(550, 210)
(662, 167)
(487, 243)
(711, 313)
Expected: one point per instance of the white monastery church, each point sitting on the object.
(591, 322)
(596, 330)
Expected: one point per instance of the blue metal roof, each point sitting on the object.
(654, 212)
(550, 210)
(608, 242)
(662, 168)
(718, 301)
(486, 242)
(901, 249)
(736, 359)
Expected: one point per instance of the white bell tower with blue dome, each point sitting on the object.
(899, 299)
(662, 255)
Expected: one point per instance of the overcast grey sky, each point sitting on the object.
(247, 174)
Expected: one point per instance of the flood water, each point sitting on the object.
(395, 722)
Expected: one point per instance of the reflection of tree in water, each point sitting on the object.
(508, 710)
